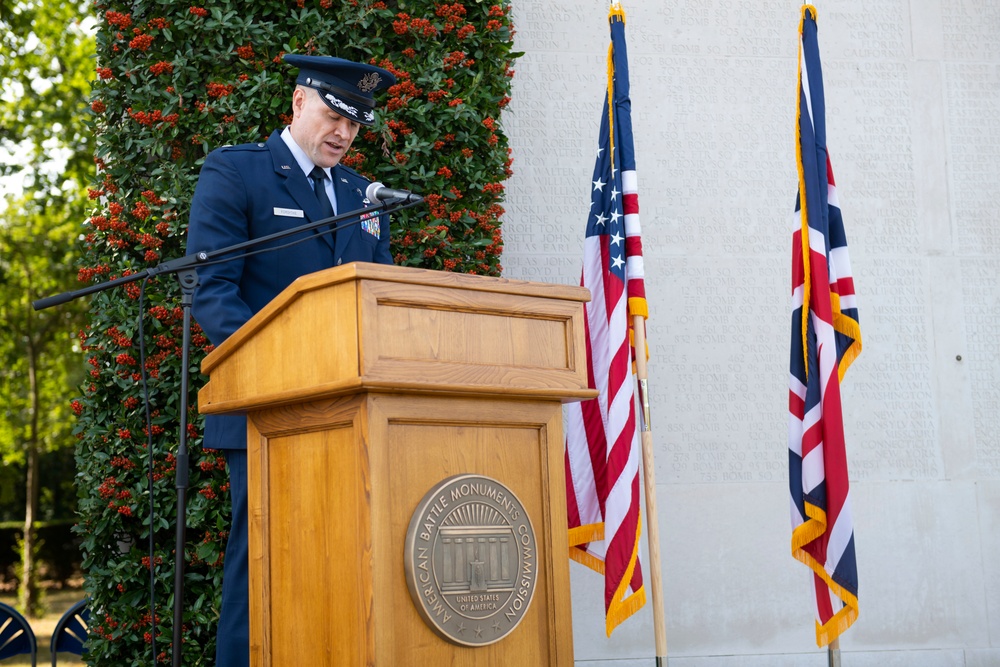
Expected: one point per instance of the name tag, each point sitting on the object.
(289, 212)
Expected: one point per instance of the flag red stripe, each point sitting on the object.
(812, 438)
(630, 203)
(844, 286)
(796, 405)
(633, 246)
(824, 607)
(572, 508)
(613, 273)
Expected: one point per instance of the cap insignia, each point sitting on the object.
(369, 82)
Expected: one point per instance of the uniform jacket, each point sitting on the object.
(253, 190)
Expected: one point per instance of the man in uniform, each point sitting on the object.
(249, 191)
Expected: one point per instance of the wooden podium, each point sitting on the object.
(364, 387)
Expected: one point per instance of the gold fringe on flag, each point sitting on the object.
(816, 525)
(803, 208)
(849, 327)
(621, 607)
(592, 532)
(803, 535)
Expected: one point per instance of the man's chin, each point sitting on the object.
(332, 159)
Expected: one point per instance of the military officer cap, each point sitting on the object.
(347, 87)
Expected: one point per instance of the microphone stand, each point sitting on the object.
(187, 275)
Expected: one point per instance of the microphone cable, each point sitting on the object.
(149, 469)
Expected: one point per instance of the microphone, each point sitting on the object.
(379, 194)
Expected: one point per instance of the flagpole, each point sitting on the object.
(833, 653)
(649, 485)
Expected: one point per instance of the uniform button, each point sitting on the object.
(339, 262)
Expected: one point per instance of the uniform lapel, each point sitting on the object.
(349, 198)
(296, 183)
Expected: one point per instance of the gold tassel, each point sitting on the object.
(620, 608)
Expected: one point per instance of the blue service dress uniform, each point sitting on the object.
(246, 192)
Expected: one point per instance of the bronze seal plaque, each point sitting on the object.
(471, 560)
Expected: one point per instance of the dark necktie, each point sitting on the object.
(318, 177)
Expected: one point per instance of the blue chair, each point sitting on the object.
(71, 631)
(16, 636)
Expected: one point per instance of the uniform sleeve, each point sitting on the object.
(219, 218)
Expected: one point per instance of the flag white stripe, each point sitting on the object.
(813, 416)
(634, 266)
(630, 182)
(632, 226)
(797, 297)
(795, 434)
(615, 512)
(831, 196)
(813, 468)
(796, 516)
(581, 466)
(817, 241)
(826, 344)
(596, 317)
(796, 386)
(840, 261)
(840, 535)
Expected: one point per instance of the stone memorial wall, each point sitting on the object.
(913, 120)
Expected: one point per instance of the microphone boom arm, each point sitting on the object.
(204, 257)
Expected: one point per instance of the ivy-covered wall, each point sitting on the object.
(172, 82)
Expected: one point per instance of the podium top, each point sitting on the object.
(375, 327)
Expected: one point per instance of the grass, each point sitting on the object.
(57, 601)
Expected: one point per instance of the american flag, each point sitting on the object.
(602, 440)
(826, 338)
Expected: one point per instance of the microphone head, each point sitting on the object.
(371, 192)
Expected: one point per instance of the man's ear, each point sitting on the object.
(298, 101)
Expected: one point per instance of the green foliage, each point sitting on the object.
(173, 82)
(440, 132)
(44, 73)
(46, 60)
(38, 364)
(36, 602)
(57, 493)
(57, 553)
(44, 64)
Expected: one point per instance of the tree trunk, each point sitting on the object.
(28, 596)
